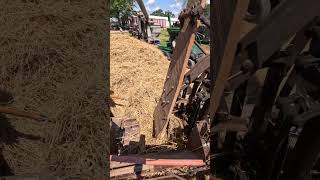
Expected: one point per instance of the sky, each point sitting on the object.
(174, 6)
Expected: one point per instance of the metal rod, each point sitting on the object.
(157, 162)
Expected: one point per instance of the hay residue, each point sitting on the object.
(138, 72)
(51, 60)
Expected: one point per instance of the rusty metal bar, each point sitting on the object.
(157, 162)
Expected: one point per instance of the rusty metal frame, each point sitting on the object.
(234, 60)
(259, 44)
(125, 166)
(253, 52)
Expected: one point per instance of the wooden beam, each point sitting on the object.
(283, 23)
(143, 9)
(199, 68)
(228, 54)
(175, 75)
(269, 36)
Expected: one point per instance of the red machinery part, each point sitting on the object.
(157, 162)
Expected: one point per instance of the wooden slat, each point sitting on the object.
(222, 11)
(129, 170)
(283, 23)
(270, 35)
(228, 56)
(199, 68)
(143, 9)
(175, 75)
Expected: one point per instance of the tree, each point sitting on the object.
(160, 12)
(122, 10)
(169, 13)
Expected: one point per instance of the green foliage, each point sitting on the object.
(169, 13)
(164, 37)
(121, 8)
(160, 12)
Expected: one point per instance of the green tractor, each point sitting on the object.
(196, 51)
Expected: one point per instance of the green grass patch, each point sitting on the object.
(164, 37)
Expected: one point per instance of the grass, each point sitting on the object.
(164, 37)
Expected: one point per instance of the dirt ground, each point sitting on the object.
(51, 62)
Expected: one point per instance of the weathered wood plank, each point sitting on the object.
(199, 68)
(228, 56)
(130, 170)
(288, 18)
(283, 23)
(143, 9)
(175, 75)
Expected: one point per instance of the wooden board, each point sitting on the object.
(130, 171)
(283, 23)
(199, 68)
(175, 75)
(269, 36)
(227, 53)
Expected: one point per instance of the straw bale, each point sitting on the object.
(51, 61)
(137, 75)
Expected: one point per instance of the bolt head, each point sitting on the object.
(247, 65)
